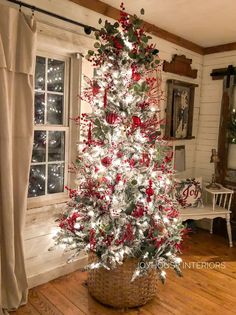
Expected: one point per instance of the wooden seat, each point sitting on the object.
(218, 206)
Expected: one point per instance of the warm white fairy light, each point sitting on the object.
(77, 225)
(128, 44)
(166, 220)
(123, 184)
(91, 213)
(129, 99)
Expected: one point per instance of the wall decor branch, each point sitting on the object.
(179, 110)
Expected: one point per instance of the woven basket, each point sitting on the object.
(114, 287)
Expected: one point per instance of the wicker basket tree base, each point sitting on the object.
(114, 287)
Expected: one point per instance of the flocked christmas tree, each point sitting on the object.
(123, 206)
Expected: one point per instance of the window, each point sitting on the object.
(48, 174)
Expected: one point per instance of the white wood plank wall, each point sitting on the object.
(210, 106)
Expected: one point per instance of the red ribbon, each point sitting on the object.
(90, 133)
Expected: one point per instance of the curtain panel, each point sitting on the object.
(17, 59)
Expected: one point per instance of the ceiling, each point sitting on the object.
(204, 22)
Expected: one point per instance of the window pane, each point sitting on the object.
(55, 109)
(55, 178)
(40, 73)
(37, 181)
(39, 146)
(39, 108)
(56, 146)
(56, 75)
(48, 157)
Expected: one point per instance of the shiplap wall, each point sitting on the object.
(210, 107)
(41, 264)
(167, 50)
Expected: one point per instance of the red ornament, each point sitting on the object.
(106, 161)
(136, 121)
(136, 76)
(90, 134)
(119, 154)
(118, 178)
(149, 191)
(105, 98)
(112, 118)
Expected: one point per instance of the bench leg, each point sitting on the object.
(211, 226)
(229, 230)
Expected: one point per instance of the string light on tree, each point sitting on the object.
(123, 205)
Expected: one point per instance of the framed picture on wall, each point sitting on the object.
(179, 109)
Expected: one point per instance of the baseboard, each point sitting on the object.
(58, 271)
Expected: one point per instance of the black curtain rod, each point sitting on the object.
(87, 28)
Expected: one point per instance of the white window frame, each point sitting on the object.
(48, 199)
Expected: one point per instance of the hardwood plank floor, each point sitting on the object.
(206, 288)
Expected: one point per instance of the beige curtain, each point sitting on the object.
(17, 57)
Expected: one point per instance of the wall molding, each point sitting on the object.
(109, 11)
(114, 13)
(219, 48)
(58, 271)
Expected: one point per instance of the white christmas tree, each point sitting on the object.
(124, 204)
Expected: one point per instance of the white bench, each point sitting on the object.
(218, 206)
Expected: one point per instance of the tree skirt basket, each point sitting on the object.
(114, 287)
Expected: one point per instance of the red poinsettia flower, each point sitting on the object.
(149, 191)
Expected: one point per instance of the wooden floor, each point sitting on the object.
(203, 289)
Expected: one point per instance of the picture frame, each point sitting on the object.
(179, 110)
